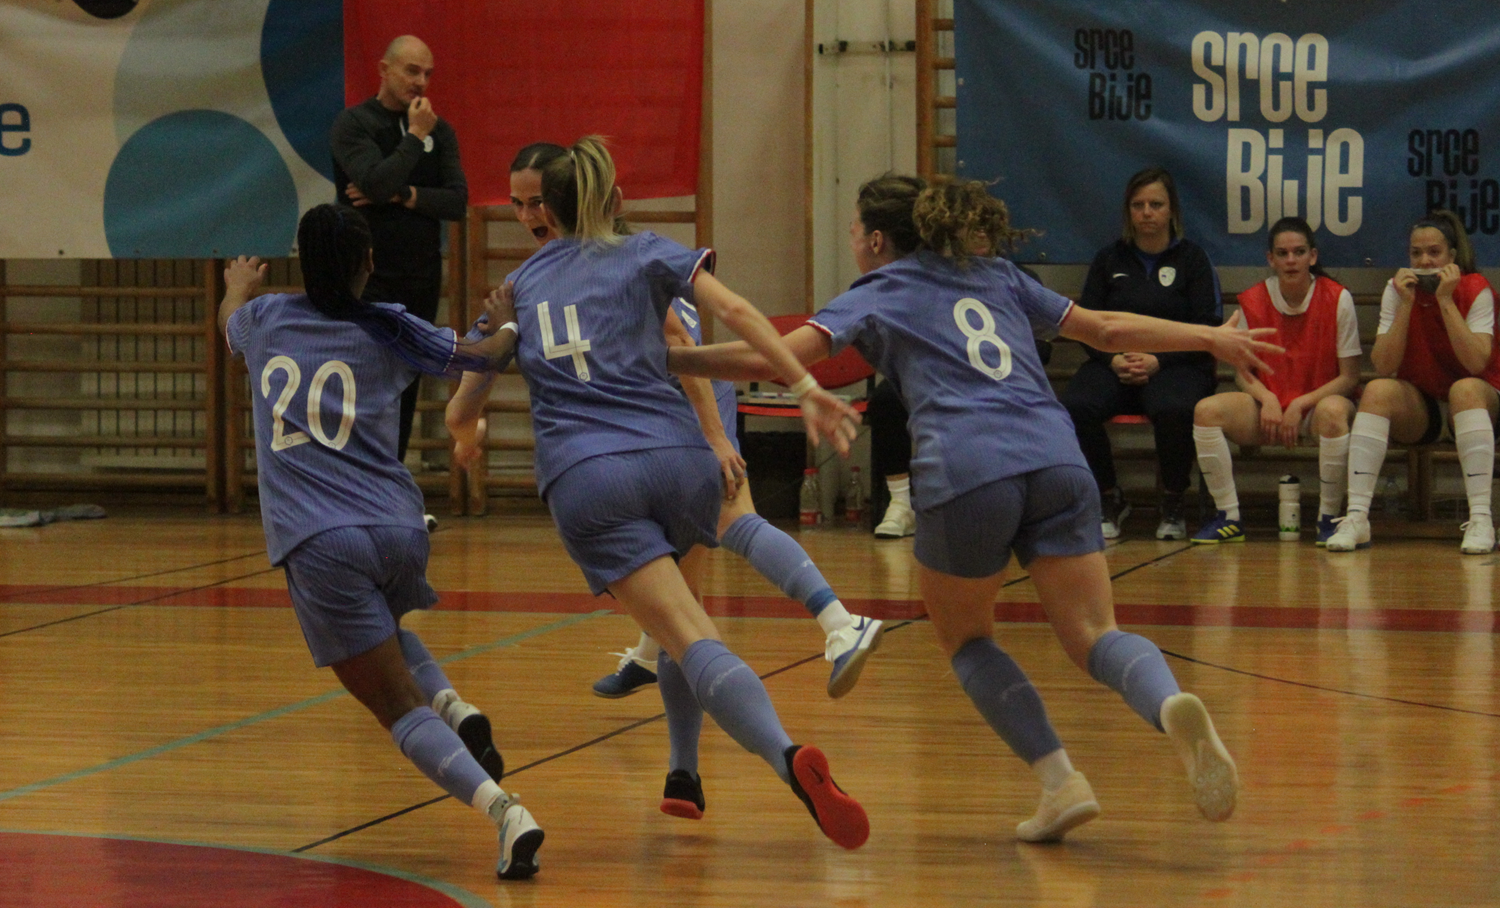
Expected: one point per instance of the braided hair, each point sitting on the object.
(333, 243)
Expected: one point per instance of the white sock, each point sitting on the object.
(900, 491)
(1218, 469)
(1333, 474)
(1054, 769)
(834, 617)
(1368, 439)
(647, 649)
(1474, 436)
(451, 708)
(487, 799)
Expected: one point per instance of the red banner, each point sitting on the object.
(509, 74)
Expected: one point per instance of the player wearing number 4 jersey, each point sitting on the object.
(623, 465)
(342, 515)
(997, 468)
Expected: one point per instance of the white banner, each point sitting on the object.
(159, 129)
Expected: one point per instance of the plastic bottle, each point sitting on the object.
(854, 499)
(811, 511)
(1289, 514)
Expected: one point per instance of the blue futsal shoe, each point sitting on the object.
(1327, 526)
(1220, 529)
(848, 649)
(633, 674)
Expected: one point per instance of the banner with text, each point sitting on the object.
(1358, 115)
(164, 128)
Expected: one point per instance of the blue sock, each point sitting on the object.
(428, 674)
(1133, 667)
(780, 560)
(684, 715)
(1005, 697)
(437, 750)
(729, 690)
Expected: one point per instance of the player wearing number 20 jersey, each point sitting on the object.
(325, 400)
(958, 343)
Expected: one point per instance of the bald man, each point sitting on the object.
(397, 162)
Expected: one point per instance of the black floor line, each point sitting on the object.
(85, 586)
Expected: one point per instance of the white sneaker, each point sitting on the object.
(1216, 782)
(1171, 528)
(520, 837)
(899, 521)
(1479, 536)
(431, 522)
(1068, 807)
(848, 648)
(1353, 533)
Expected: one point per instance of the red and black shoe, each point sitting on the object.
(683, 795)
(838, 815)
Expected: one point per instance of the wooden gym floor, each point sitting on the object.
(166, 740)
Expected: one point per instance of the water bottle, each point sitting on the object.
(1289, 516)
(854, 499)
(811, 511)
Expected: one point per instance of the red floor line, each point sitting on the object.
(1259, 616)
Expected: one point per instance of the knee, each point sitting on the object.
(1209, 412)
(1380, 397)
(1331, 416)
(1469, 394)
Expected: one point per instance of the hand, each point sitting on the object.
(244, 274)
(420, 119)
(1136, 368)
(468, 443)
(825, 416)
(1448, 279)
(1270, 419)
(731, 465)
(1291, 423)
(1233, 344)
(356, 197)
(1405, 283)
(411, 198)
(499, 308)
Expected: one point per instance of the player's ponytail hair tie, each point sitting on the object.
(804, 386)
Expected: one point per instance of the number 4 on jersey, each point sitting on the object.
(576, 346)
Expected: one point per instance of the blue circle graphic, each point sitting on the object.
(199, 183)
(302, 57)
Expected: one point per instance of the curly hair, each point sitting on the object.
(960, 219)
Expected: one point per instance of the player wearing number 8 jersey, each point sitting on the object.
(997, 467)
(343, 517)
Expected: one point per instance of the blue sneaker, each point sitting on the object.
(1327, 526)
(848, 648)
(1220, 529)
(627, 679)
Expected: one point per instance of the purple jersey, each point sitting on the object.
(958, 343)
(592, 351)
(326, 399)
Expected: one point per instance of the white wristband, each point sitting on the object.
(514, 328)
(803, 386)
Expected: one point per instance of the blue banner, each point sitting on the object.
(1359, 115)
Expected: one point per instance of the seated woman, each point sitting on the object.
(1436, 352)
(1153, 271)
(1309, 390)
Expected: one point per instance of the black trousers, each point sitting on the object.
(890, 443)
(1095, 395)
(420, 297)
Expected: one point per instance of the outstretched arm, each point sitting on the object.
(242, 277)
(1123, 331)
(824, 415)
